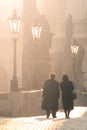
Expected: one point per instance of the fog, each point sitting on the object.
(6, 8)
(56, 12)
(49, 7)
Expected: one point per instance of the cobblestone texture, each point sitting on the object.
(78, 121)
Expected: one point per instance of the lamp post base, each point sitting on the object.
(14, 85)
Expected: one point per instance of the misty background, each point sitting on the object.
(56, 12)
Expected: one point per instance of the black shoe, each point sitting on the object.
(47, 116)
(67, 117)
(54, 116)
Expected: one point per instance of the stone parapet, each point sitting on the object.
(28, 103)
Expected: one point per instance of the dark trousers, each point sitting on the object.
(53, 113)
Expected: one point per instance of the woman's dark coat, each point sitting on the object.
(51, 94)
(67, 88)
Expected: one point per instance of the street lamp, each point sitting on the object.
(14, 23)
(36, 33)
(74, 49)
(36, 30)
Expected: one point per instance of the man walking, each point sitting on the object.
(51, 96)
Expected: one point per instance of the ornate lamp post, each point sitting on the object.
(14, 23)
(36, 33)
(74, 49)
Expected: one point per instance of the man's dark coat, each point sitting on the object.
(51, 94)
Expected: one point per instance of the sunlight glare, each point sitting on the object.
(78, 111)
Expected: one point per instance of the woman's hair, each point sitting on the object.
(65, 77)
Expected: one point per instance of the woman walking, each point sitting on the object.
(67, 87)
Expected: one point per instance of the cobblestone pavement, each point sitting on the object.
(78, 121)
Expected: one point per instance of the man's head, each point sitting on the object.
(52, 75)
(65, 77)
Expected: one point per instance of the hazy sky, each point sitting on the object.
(6, 7)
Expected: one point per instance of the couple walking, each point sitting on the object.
(51, 94)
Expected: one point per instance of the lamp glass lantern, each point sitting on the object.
(14, 23)
(74, 48)
(36, 30)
